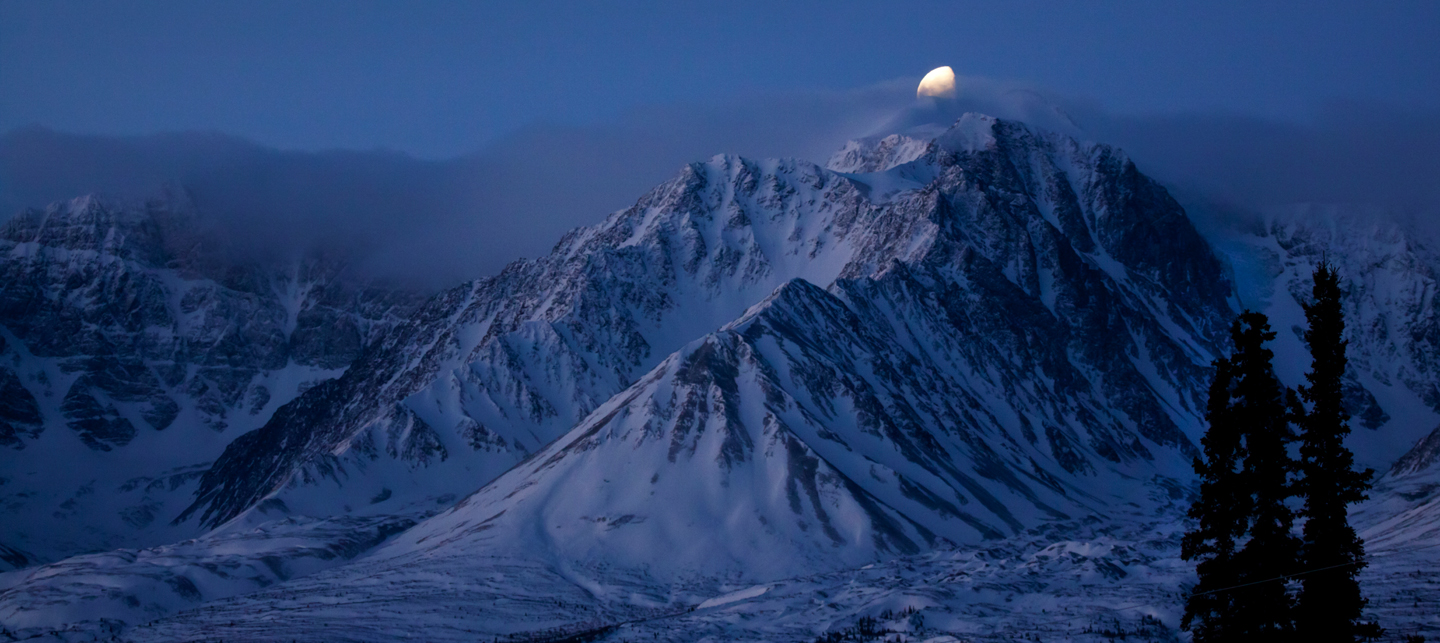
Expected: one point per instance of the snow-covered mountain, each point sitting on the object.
(970, 359)
(1392, 316)
(132, 350)
(1075, 283)
(1085, 580)
(874, 154)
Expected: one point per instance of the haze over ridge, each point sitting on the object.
(439, 222)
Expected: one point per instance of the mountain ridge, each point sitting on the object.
(132, 343)
(978, 344)
(727, 212)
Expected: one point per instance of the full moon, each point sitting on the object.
(940, 83)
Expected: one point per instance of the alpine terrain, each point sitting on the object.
(947, 388)
(133, 348)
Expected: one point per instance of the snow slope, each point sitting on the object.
(487, 374)
(772, 399)
(93, 594)
(1081, 581)
(133, 350)
(1391, 315)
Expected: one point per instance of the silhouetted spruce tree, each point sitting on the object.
(1265, 606)
(1329, 602)
(1245, 486)
(1221, 515)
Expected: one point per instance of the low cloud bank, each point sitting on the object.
(441, 222)
(434, 222)
(262, 201)
(1347, 153)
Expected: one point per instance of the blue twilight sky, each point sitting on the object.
(444, 139)
(437, 79)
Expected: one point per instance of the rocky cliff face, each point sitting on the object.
(877, 154)
(1072, 281)
(132, 346)
(1423, 456)
(1389, 276)
(762, 368)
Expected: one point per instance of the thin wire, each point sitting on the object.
(1365, 561)
(1064, 619)
(1285, 577)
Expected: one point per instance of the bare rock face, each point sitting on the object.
(132, 330)
(877, 154)
(1424, 455)
(1072, 281)
(19, 413)
(764, 369)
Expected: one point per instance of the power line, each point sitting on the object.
(1285, 577)
(1366, 560)
(1065, 619)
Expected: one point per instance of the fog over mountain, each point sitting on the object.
(441, 222)
(981, 351)
(255, 381)
(372, 320)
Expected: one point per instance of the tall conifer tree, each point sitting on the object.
(1329, 601)
(1272, 551)
(1243, 536)
(1221, 515)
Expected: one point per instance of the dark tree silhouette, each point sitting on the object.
(1329, 602)
(1243, 536)
(1221, 516)
(1264, 606)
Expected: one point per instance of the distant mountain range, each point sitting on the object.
(986, 337)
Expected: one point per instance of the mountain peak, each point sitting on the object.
(969, 133)
(862, 156)
(972, 132)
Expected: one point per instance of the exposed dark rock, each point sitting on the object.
(100, 426)
(1422, 456)
(92, 294)
(19, 412)
(1056, 267)
(1362, 405)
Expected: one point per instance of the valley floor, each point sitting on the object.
(1083, 581)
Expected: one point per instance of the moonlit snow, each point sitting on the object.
(945, 389)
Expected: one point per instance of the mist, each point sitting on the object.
(262, 202)
(434, 223)
(438, 223)
(1371, 155)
